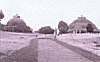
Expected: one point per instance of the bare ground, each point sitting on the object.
(26, 54)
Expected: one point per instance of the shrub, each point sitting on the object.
(89, 28)
(1, 15)
(63, 27)
(46, 30)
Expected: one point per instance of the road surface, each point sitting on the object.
(50, 51)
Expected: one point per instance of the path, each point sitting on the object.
(50, 51)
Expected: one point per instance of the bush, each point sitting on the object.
(46, 30)
(63, 27)
(89, 28)
(24, 29)
(1, 15)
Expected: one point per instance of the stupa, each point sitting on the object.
(16, 24)
(79, 25)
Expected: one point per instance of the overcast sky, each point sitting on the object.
(38, 13)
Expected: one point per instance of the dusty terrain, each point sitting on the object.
(18, 47)
(90, 42)
(21, 47)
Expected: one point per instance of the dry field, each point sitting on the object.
(89, 42)
(9, 42)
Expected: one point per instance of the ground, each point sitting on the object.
(21, 47)
(90, 42)
(50, 51)
(13, 41)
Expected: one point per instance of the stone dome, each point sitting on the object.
(16, 21)
(17, 25)
(80, 25)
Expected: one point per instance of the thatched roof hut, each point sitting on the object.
(16, 24)
(79, 25)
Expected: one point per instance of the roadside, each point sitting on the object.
(26, 54)
(83, 44)
(83, 52)
(80, 51)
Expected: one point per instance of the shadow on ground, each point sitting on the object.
(26, 54)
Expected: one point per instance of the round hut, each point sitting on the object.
(79, 25)
(16, 24)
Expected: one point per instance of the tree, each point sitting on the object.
(1, 15)
(46, 30)
(63, 27)
(1, 26)
(89, 28)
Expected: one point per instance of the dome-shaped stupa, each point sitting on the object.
(16, 21)
(79, 25)
(17, 25)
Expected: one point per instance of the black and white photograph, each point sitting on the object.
(49, 30)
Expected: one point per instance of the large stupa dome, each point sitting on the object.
(79, 25)
(16, 21)
(16, 24)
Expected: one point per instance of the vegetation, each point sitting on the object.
(18, 25)
(63, 27)
(1, 15)
(89, 28)
(1, 26)
(23, 29)
(46, 30)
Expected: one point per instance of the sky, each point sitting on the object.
(39, 13)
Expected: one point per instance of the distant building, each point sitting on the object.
(16, 24)
(79, 26)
